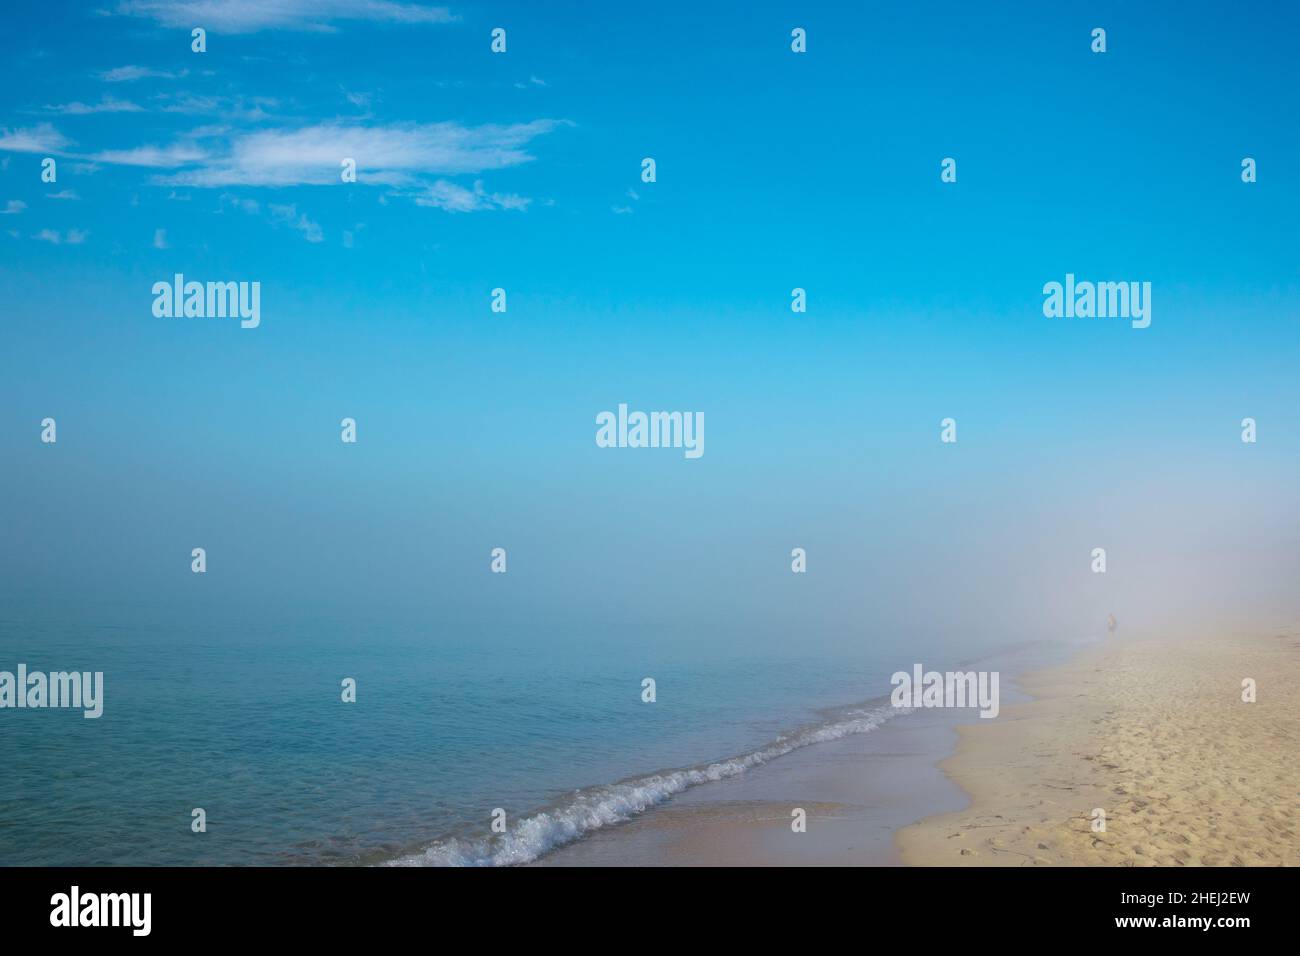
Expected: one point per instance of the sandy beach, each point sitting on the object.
(1152, 732)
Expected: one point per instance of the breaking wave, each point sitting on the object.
(595, 807)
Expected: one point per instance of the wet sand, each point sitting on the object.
(856, 793)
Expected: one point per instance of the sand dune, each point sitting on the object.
(1153, 732)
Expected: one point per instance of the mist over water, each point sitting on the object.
(250, 727)
(522, 691)
(477, 690)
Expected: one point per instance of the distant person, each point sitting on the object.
(1110, 624)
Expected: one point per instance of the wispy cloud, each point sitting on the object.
(128, 74)
(395, 155)
(419, 160)
(229, 108)
(107, 104)
(250, 206)
(74, 237)
(13, 207)
(361, 101)
(625, 209)
(250, 16)
(452, 197)
(278, 215)
(160, 239)
(289, 215)
(39, 139)
(63, 194)
(156, 157)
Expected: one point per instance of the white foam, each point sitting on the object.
(597, 807)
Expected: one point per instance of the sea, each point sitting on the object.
(450, 733)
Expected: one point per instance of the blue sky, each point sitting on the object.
(775, 170)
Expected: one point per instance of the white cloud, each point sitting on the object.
(249, 206)
(626, 210)
(40, 139)
(249, 16)
(156, 157)
(279, 215)
(75, 237)
(127, 74)
(160, 239)
(416, 159)
(290, 216)
(13, 207)
(452, 197)
(107, 104)
(401, 154)
(247, 108)
(63, 194)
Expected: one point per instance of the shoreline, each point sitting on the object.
(1153, 732)
(857, 792)
(1150, 737)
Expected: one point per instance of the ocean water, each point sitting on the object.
(248, 724)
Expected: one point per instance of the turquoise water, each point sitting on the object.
(247, 723)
